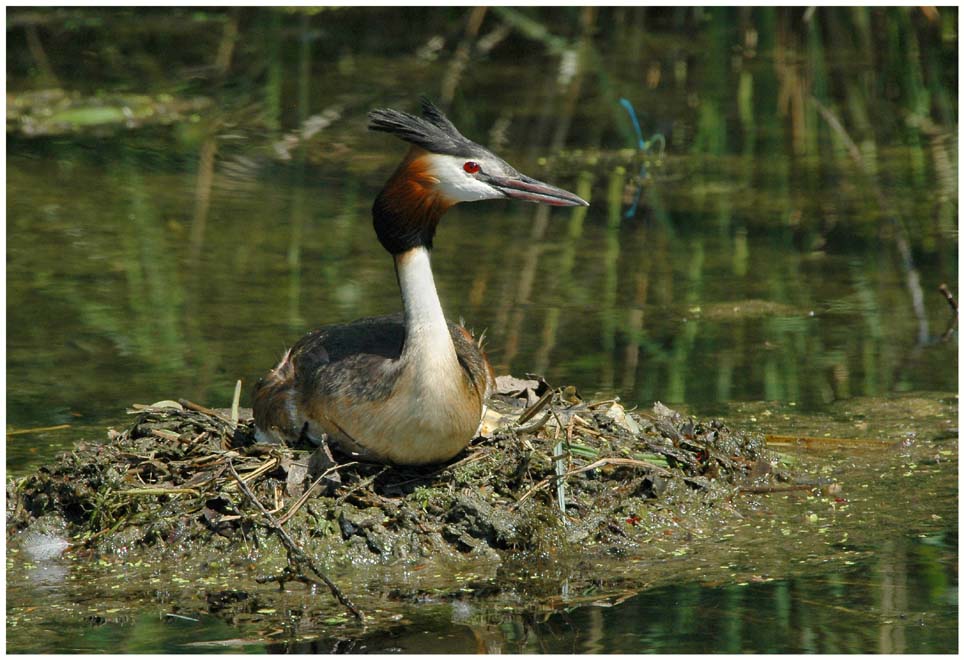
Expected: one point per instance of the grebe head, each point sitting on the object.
(444, 168)
(465, 171)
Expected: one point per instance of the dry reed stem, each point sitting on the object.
(592, 466)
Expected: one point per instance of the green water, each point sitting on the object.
(763, 264)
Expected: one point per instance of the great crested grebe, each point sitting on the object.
(409, 388)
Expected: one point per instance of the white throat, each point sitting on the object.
(427, 338)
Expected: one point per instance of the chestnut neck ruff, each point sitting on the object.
(408, 209)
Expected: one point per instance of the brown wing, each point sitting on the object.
(357, 361)
(473, 360)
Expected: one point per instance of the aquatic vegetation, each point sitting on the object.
(185, 479)
(782, 267)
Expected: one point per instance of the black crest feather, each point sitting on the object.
(433, 131)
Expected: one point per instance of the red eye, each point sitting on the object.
(471, 167)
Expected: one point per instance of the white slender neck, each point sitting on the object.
(426, 331)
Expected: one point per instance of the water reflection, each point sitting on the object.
(788, 247)
(903, 602)
(173, 262)
(607, 304)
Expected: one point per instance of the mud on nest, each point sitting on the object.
(548, 470)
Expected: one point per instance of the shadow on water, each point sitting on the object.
(195, 194)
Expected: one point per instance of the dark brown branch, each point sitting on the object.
(295, 554)
(952, 323)
(948, 296)
(776, 489)
(531, 411)
(197, 407)
(35, 46)
(901, 238)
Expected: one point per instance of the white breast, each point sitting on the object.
(437, 379)
(433, 411)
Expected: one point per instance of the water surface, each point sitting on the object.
(764, 268)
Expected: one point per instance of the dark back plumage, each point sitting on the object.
(433, 131)
(358, 361)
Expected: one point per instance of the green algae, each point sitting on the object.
(61, 112)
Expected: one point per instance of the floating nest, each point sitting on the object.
(548, 470)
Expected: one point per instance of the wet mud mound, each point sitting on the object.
(548, 471)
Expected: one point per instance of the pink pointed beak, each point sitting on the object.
(530, 190)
